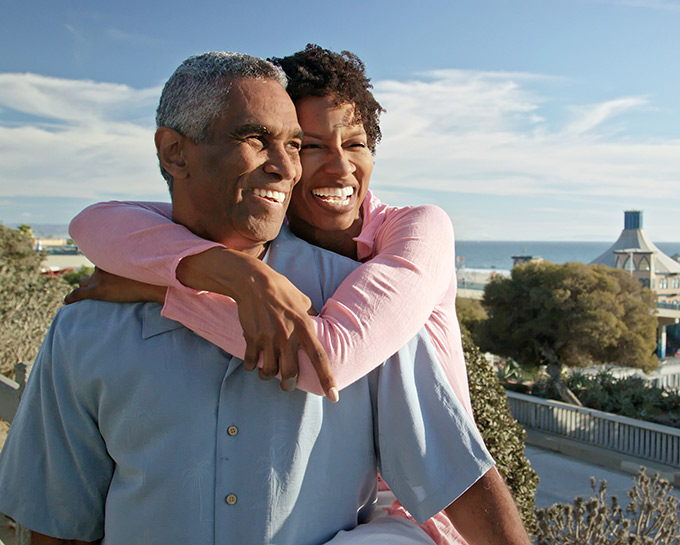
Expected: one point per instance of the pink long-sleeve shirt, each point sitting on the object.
(407, 280)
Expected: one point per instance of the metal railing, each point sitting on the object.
(466, 285)
(10, 392)
(629, 436)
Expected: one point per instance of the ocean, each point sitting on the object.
(477, 255)
(497, 255)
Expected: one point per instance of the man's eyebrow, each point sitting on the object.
(254, 128)
(250, 129)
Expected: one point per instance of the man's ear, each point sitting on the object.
(170, 146)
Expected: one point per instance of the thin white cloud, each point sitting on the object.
(131, 38)
(88, 140)
(75, 101)
(490, 134)
(85, 162)
(454, 132)
(590, 117)
(75, 33)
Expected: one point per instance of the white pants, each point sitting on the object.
(383, 530)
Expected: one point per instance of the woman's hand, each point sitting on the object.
(104, 286)
(274, 314)
(275, 317)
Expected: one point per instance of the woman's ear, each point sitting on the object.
(170, 149)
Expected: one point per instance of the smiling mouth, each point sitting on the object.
(337, 196)
(273, 196)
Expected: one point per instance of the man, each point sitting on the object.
(134, 430)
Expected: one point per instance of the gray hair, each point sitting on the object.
(193, 97)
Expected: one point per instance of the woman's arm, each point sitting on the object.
(137, 240)
(375, 311)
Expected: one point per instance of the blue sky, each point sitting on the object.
(523, 119)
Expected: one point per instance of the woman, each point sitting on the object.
(407, 280)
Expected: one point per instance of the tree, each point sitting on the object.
(16, 250)
(571, 315)
(28, 300)
(26, 229)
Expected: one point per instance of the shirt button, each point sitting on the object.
(232, 430)
(231, 499)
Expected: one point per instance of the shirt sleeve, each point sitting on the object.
(375, 311)
(137, 240)
(430, 451)
(54, 468)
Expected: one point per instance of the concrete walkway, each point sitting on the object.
(563, 478)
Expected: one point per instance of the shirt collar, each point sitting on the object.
(155, 324)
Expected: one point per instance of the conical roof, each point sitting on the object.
(633, 237)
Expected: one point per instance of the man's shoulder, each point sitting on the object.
(97, 312)
(90, 320)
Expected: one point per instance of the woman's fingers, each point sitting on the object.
(319, 359)
(289, 367)
(270, 362)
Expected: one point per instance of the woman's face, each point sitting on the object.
(336, 166)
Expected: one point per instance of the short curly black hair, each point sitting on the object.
(320, 72)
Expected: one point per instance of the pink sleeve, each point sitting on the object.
(137, 240)
(376, 310)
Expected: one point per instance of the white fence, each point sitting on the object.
(629, 436)
(669, 380)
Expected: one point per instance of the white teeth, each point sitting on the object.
(330, 194)
(277, 196)
(338, 196)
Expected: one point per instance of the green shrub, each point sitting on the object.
(651, 517)
(73, 277)
(503, 436)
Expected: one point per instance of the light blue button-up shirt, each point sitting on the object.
(134, 428)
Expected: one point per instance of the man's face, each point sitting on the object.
(239, 183)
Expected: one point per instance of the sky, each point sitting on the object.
(523, 119)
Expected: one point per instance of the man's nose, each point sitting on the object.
(338, 164)
(283, 163)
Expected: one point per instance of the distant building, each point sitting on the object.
(634, 252)
(48, 243)
(60, 256)
(522, 259)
